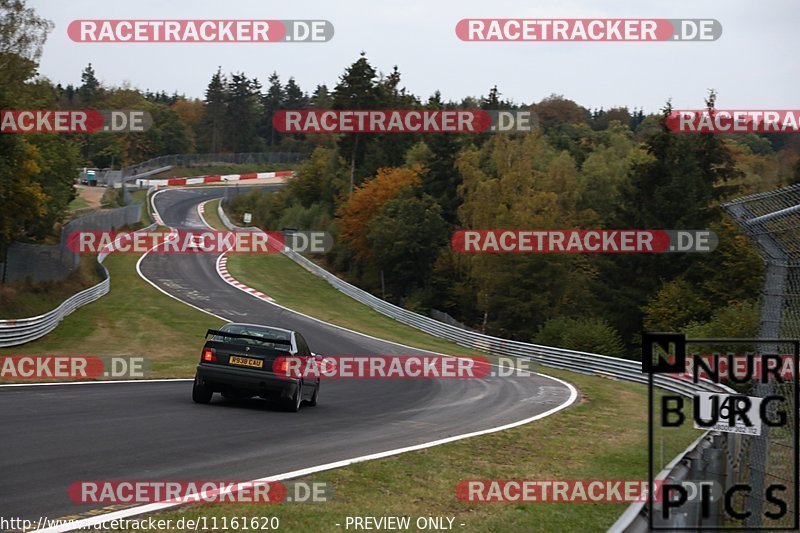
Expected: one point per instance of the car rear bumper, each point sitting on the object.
(224, 378)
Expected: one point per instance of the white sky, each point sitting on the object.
(754, 65)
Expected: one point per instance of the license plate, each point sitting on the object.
(246, 361)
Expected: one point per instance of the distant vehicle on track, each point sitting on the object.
(246, 360)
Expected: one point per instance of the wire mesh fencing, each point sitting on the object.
(772, 221)
(36, 263)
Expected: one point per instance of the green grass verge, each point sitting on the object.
(212, 217)
(22, 300)
(294, 287)
(602, 437)
(77, 203)
(132, 319)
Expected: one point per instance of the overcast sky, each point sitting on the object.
(754, 65)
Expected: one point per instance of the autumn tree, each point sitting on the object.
(366, 202)
(522, 183)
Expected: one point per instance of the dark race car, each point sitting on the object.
(246, 360)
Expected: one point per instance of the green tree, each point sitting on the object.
(674, 306)
(24, 202)
(321, 98)
(295, 97)
(441, 179)
(169, 134)
(90, 89)
(795, 173)
(241, 114)
(522, 183)
(737, 320)
(357, 89)
(22, 36)
(56, 159)
(214, 112)
(320, 180)
(273, 101)
(555, 110)
(676, 187)
(405, 239)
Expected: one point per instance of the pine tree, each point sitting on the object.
(321, 98)
(242, 113)
(295, 98)
(90, 85)
(272, 102)
(214, 112)
(356, 89)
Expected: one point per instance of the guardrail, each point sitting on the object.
(681, 468)
(187, 160)
(634, 519)
(14, 332)
(587, 363)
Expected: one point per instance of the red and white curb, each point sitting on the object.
(222, 270)
(222, 266)
(280, 176)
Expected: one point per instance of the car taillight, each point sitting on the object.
(209, 355)
(287, 366)
(281, 366)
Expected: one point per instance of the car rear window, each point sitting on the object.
(268, 336)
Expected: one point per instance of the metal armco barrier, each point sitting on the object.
(634, 519)
(587, 363)
(19, 331)
(693, 458)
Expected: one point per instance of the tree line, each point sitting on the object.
(393, 200)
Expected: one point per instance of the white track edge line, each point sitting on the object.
(152, 507)
(95, 382)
